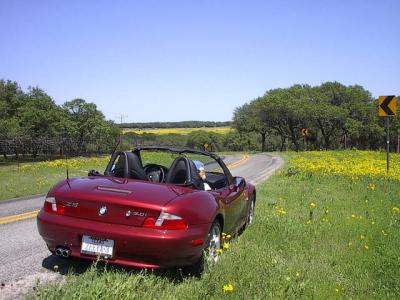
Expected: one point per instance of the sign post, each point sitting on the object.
(387, 145)
(387, 108)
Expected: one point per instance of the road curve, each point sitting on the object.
(24, 258)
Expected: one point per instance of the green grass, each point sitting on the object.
(34, 178)
(347, 246)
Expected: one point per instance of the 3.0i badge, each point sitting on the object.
(102, 211)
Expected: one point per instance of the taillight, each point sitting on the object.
(165, 221)
(51, 206)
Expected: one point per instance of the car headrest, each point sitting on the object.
(135, 168)
(179, 171)
(183, 171)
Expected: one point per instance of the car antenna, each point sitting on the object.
(66, 165)
(115, 148)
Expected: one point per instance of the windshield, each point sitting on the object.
(166, 158)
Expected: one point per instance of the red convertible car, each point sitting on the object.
(150, 209)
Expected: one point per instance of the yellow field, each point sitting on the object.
(182, 131)
(351, 163)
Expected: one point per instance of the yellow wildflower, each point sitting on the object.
(297, 274)
(228, 288)
(396, 209)
(280, 210)
(226, 246)
(366, 247)
(313, 205)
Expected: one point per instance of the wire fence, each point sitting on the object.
(26, 148)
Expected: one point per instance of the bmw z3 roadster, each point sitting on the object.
(154, 207)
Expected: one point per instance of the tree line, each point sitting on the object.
(30, 117)
(304, 117)
(301, 117)
(230, 141)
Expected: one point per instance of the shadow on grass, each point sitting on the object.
(77, 266)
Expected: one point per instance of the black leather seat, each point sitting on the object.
(135, 168)
(183, 172)
(179, 171)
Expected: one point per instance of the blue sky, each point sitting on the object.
(195, 60)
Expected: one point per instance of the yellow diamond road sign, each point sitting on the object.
(387, 106)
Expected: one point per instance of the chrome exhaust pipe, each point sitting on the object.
(59, 251)
(66, 253)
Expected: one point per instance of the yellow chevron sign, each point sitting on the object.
(387, 106)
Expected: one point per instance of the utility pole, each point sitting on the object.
(121, 117)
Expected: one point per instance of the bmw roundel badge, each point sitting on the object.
(102, 211)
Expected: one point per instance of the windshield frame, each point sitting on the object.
(218, 159)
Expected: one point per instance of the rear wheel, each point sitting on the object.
(210, 254)
(213, 243)
(250, 215)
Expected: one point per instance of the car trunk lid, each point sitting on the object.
(115, 200)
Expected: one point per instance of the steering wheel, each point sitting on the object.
(155, 172)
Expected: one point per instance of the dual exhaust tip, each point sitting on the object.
(63, 252)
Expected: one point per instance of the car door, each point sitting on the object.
(230, 193)
(233, 200)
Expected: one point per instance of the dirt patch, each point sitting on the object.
(17, 288)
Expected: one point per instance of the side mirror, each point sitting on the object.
(94, 173)
(238, 183)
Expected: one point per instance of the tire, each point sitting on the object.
(250, 214)
(210, 254)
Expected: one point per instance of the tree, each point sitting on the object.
(39, 116)
(198, 138)
(90, 123)
(86, 117)
(11, 98)
(285, 111)
(326, 114)
(249, 118)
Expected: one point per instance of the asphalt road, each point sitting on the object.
(24, 258)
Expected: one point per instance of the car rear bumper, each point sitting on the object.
(133, 246)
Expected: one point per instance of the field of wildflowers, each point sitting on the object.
(182, 131)
(317, 234)
(352, 163)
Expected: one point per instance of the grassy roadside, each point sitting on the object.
(37, 177)
(316, 235)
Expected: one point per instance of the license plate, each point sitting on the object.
(96, 246)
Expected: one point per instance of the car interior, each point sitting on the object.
(182, 171)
